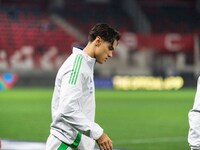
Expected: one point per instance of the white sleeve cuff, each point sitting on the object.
(96, 132)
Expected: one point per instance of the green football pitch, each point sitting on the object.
(135, 120)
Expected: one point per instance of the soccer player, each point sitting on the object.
(73, 124)
(194, 121)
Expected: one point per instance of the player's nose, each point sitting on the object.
(110, 54)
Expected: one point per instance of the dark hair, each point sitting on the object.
(106, 32)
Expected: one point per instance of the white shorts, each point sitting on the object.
(53, 143)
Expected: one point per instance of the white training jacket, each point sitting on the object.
(73, 101)
(194, 121)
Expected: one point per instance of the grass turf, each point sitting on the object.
(135, 120)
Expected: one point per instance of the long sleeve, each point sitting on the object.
(71, 110)
(194, 121)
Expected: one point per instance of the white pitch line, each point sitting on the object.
(152, 140)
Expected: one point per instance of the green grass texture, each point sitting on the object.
(134, 120)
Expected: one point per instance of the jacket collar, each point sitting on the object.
(91, 61)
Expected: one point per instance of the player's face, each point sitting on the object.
(105, 51)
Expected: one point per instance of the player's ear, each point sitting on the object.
(98, 41)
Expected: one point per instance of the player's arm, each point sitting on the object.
(0, 143)
(70, 110)
(194, 121)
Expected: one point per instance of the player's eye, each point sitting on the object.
(111, 48)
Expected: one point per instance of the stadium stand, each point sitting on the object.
(30, 23)
(91, 13)
(27, 24)
(172, 16)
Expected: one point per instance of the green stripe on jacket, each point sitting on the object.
(75, 70)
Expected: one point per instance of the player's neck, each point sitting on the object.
(89, 49)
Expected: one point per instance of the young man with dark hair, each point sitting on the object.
(73, 124)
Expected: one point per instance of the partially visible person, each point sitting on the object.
(194, 121)
(73, 124)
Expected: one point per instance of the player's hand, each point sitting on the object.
(104, 142)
